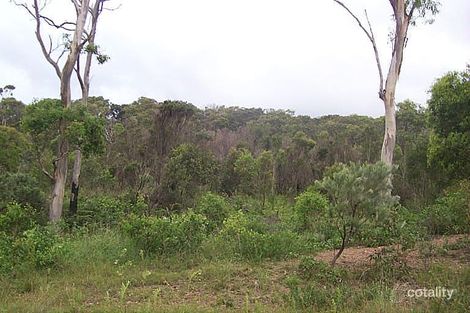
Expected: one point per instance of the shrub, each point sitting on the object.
(238, 239)
(38, 247)
(6, 253)
(358, 194)
(167, 235)
(104, 211)
(41, 247)
(214, 207)
(311, 209)
(15, 219)
(311, 269)
(451, 212)
(401, 226)
(21, 188)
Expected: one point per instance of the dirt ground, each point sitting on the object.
(437, 249)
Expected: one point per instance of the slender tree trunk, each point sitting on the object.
(340, 251)
(75, 183)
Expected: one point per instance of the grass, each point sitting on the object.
(104, 272)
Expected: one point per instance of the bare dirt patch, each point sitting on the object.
(361, 256)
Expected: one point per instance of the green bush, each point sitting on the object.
(16, 218)
(6, 253)
(105, 211)
(451, 213)
(311, 269)
(41, 247)
(238, 239)
(20, 188)
(167, 235)
(401, 226)
(38, 247)
(311, 209)
(214, 207)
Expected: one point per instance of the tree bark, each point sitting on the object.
(60, 166)
(60, 177)
(75, 183)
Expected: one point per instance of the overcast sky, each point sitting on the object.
(304, 55)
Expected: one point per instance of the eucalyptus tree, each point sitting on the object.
(405, 14)
(63, 59)
(90, 50)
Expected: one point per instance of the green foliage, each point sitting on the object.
(37, 247)
(311, 269)
(214, 207)
(7, 262)
(43, 116)
(41, 247)
(265, 178)
(449, 117)
(104, 245)
(188, 170)
(450, 214)
(358, 194)
(245, 168)
(179, 233)
(42, 120)
(311, 209)
(13, 144)
(103, 211)
(388, 265)
(16, 219)
(11, 111)
(422, 9)
(238, 239)
(401, 226)
(21, 188)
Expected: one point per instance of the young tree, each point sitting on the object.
(76, 36)
(405, 13)
(265, 179)
(357, 194)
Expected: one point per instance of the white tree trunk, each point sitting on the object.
(60, 168)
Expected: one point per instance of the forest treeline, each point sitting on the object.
(167, 153)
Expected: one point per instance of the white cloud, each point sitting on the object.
(308, 56)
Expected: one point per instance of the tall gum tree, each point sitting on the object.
(63, 59)
(83, 76)
(405, 13)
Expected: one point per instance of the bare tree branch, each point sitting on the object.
(62, 25)
(377, 58)
(47, 54)
(370, 34)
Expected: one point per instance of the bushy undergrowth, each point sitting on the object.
(178, 233)
(240, 238)
(105, 211)
(26, 244)
(451, 213)
(215, 208)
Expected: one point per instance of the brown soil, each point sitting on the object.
(434, 250)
